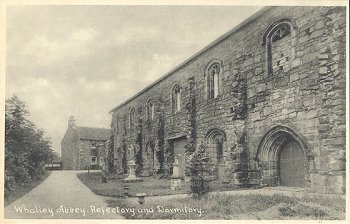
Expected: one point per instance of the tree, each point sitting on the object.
(200, 168)
(26, 148)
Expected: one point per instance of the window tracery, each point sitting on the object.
(213, 80)
(176, 98)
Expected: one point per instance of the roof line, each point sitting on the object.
(90, 127)
(96, 139)
(208, 47)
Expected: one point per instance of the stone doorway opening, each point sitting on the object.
(291, 165)
(149, 160)
(282, 158)
(180, 153)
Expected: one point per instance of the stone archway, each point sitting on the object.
(216, 142)
(282, 157)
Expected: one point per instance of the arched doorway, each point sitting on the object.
(291, 164)
(282, 158)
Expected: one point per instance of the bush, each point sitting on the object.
(26, 148)
(200, 172)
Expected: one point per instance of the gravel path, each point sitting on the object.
(61, 196)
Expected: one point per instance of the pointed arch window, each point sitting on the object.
(216, 145)
(116, 125)
(176, 98)
(150, 110)
(132, 118)
(279, 46)
(213, 80)
(280, 32)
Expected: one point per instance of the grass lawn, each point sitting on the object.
(253, 207)
(150, 185)
(19, 191)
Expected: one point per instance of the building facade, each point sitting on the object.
(267, 99)
(83, 147)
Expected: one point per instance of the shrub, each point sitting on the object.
(26, 147)
(200, 172)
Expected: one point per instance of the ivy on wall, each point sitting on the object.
(239, 109)
(124, 165)
(139, 145)
(191, 123)
(200, 171)
(110, 156)
(169, 158)
(159, 142)
(110, 166)
(124, 168)
(238, 146)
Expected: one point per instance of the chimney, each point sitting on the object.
(71, 122)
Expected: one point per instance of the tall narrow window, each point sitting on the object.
(278, 41)
(132, 118)
(116, 125)
(216, 84)
(176, 98)
(150, 110)
(213, 80)
(219, 147)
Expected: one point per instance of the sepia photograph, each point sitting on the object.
(174, 111)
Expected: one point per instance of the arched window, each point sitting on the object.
(116, 125)
(279, 46)
(150, 110)
(213, 80)
(176, 98)
(216, 144)
(132, 118)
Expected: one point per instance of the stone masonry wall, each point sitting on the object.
(88, 148)
(69, 154)
(302, 99)
(305, 93)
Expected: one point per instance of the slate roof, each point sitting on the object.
(93, 133)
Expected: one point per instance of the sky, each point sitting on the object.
(85, 60)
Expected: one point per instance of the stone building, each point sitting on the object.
(267, 99)
(83, 147)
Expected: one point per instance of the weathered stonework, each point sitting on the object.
(84, 147)
(275, 89)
